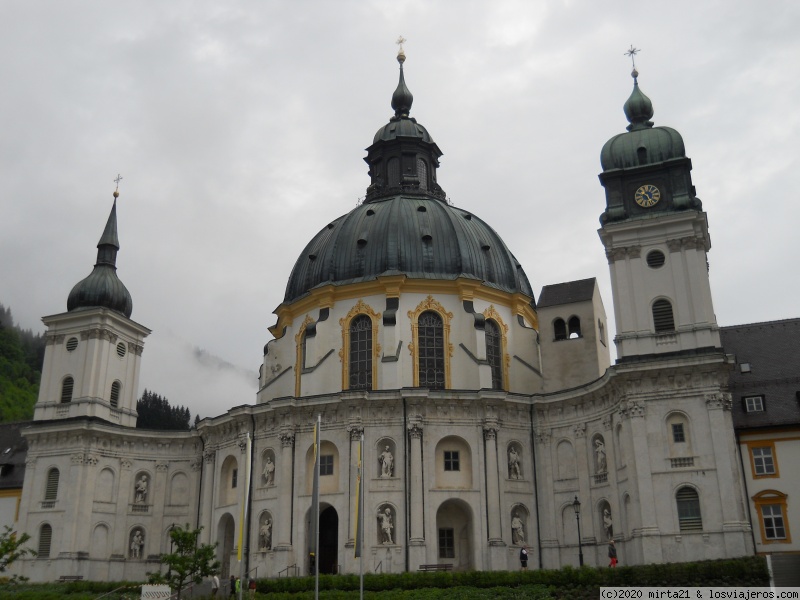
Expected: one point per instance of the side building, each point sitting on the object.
(765, 385)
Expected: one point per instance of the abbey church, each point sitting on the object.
(492, 419)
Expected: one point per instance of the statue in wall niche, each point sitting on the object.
(517, 530)
(137, 541)
(269, 471)
(514, 471)
(386, 459)
(141, 490)
(385, 520)
(265, 535)
(600, 455)
(608, 524)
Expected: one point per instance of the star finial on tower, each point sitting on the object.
(632, 52)
(117, 180)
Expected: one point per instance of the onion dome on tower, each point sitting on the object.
(405, 225)
(641, 152)
(102, 288)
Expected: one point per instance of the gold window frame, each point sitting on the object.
(430, 303)
(768, 497)
(298, 363)
(360, 308)
(751, 444)
(491, 313)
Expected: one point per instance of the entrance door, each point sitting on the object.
(328, 541)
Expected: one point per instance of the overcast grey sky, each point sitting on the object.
(239, 129)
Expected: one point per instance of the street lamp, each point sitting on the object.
(576, 506)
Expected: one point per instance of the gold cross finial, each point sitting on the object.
(117, 180)
(401, 56)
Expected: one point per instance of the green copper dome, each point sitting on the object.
(643, 144)
(417, 236)
(102, 288)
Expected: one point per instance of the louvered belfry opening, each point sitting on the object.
(663, 319)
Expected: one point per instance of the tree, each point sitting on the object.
(155, 412)
(11, 547)
(21, 356)
(187, 561)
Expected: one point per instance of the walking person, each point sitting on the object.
(214, 585)
(612, 554)
(233, 586)
(252, 587)
(523, 558)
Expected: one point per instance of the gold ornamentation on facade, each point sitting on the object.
(413, 315)
(360, 308)
(395, 285)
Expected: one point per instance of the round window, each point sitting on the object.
(655, 259)
(72, 343)
(121, 350)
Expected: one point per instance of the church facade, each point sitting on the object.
(489, 418)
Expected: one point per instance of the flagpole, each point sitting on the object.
(316, 504)
(360, 541)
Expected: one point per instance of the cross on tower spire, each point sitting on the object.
(632, 52)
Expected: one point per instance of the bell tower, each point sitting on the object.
(656, 239)
(93, 353)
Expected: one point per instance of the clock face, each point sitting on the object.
(647, 195)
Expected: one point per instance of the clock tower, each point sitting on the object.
(656, 238)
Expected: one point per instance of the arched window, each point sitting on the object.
(422, 173)
(66, 389)
(494, 353)
(51, 488)
(663, 320)
(574, 327)
(115, 389)
(301, 345)
(361, 353)
(689, 518)
(431, 350)
(560, 329)
(45, 538)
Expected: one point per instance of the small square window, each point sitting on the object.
(744, 367)
(677, 433)
(754, 403)
(763, 461)
(326, 464)
(451, 462)
(447, 547)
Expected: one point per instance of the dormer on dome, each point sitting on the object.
(649, 156)
(403, 157)
(102, 288)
